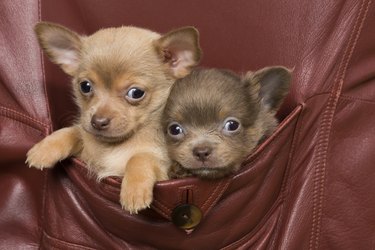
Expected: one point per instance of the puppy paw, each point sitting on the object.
(135, 197)
(41, 156)
(55, 147)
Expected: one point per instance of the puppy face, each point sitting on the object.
(214, 118)
(121, 76)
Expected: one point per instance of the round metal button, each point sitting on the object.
(186, 216)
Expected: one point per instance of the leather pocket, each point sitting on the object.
(248, 203)
(257, 191)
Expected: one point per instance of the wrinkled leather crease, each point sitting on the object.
(308, 186)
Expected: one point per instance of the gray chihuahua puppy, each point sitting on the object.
(214, 118)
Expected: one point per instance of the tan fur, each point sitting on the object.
(115, 60)
(46, 153)
(141, 173)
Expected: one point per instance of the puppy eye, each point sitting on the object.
(175, 130)
(135, 94)
(231, 125)
(86, 87)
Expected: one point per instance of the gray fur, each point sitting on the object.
(202, 102)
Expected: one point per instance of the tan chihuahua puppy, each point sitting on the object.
(121, 80)
(214, 118)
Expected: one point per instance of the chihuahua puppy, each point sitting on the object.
(121, 80)
(214, 118)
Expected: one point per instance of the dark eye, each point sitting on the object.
(86, 87)
(135, 94)
(231, 125)
(175, 130)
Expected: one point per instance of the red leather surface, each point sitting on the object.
(309, 186)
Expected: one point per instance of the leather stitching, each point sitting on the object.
(248, 237)
(351, 98)
(294, 115)
(284, 192)
(43, 71)
(159, 207)
(45, 174)
(25, 119)
(261, 150)
(219, 190)
(326, 125)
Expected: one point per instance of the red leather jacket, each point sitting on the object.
(310, 186)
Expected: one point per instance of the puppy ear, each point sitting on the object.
(272, 85)
(60, 44)
(180, 50)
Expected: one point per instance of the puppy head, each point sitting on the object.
(121, 76)
(214, 118)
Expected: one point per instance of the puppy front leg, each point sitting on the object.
(55, 147)
(141, 173)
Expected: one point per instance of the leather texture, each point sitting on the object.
(309, 186)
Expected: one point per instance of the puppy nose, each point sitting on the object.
(100, 123)
(202, 153)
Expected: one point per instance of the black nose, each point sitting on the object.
(202, 153)
(100, 123)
